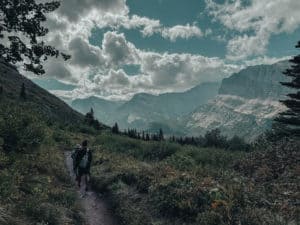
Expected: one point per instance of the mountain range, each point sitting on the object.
(144, 111)
(243, 104)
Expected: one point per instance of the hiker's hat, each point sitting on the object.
(78, 146)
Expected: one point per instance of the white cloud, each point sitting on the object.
(179, 31)
(71, 26)
(115, 79)
(83, 54)
(262, 18)
(98, 70)
(160, 72)
(118, 51)
(74, 10)
(183, 71)
(148, 27)
(241, 47)
(264, 60)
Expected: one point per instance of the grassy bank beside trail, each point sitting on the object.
(165, 183)
(35, 187)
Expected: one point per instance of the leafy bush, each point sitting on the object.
(237, 144)
(179, 197)
(43, 212)
(214, 138)
(209, 218)
(157, 151)
(20, 130)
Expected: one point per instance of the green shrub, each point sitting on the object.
(20, 130)
(87, 129)
(179, 197)
(62, 197)
(181, 161)
(209, 218)
(158, 150)
(42, 212)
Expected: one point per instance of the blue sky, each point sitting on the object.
(120, 48)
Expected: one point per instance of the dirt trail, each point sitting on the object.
(96, 210)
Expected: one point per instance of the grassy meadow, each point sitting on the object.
(166, 183)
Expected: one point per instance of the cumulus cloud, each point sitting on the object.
(262, 18)
(76, 9)
(182, 71)
(241, 47)
(83, 54)
(118, 50)
(115, 79)
(149, 27)
(58, 70)
(179, 31)
(72, 24)
(159, 73)
(97, 70)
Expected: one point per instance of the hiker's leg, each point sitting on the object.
(86, 182)
(78, 180)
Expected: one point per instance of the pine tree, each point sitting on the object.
(89, 118)
(23, 92)
(161, 135)
(97, 125)
(1, 90)
(92, 112)
(115, 128)
(289, 121)
(147, 137)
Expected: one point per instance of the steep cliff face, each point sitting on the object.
(234, 115)
(262, 81)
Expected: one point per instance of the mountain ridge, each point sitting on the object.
(260, 81)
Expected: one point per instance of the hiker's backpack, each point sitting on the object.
(85, 160)
(74, 154)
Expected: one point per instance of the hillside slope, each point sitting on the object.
(38, 99)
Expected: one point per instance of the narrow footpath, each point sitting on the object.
(96, 210)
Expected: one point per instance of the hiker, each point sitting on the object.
(73, 154)
(82, 158)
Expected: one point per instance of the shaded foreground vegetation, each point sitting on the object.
(166, 183)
